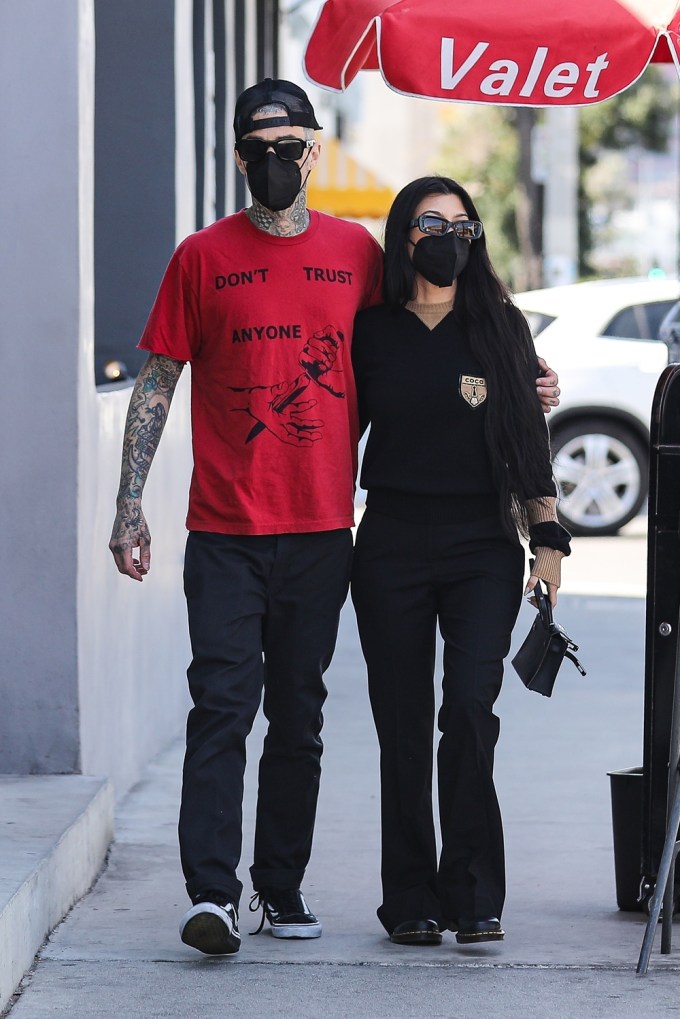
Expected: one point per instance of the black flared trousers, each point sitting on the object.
(263, 613)
(407, 578)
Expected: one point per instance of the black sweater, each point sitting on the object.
(424, 394)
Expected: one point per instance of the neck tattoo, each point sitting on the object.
(286, 223)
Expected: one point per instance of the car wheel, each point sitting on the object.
(601, 468)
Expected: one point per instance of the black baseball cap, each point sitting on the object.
(273, 90)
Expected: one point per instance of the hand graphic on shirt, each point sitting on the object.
(280, 410)
(319, 355)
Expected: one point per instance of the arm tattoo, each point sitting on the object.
(147, 414)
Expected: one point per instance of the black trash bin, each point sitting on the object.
(626, 790)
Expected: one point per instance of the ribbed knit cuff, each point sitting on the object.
(548, 565)
(542, 510)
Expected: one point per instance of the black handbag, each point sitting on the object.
(546, 646)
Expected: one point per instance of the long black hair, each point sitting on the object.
(516, 433)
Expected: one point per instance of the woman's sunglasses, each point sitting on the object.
(252, 149)
(466, 229)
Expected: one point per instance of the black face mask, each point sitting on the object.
(274, 182)
(440, 259)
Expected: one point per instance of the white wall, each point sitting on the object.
(133, 643)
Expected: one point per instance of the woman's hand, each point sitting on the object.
(552, 591)
(547, 388)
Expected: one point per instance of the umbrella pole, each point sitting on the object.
(673, 792)
(664, 889)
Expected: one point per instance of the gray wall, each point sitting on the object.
(45, 283)
(92, 667)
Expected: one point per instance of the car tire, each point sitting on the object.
(601, 468)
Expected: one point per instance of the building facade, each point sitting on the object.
(167, 75)
(115, 118)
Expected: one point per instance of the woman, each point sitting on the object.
(456, 466)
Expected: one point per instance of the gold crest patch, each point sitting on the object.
(473, 389)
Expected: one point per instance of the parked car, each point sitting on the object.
(602, 337)
(669, 332)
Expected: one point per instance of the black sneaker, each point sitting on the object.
(287, 912)
(211, 927)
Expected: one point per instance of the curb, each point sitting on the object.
(51, 862)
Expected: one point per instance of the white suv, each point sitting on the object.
(602, 339)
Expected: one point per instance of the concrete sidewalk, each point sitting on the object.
(568, 951)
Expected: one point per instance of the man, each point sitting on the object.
(261, 303)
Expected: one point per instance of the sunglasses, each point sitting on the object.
(252, 149)
(430, 223)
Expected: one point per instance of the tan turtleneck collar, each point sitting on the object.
(430, 314)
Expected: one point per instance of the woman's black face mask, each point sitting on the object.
(440, 260)
(273, 182)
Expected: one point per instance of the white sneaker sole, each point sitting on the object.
(297, 930)
(205, 929)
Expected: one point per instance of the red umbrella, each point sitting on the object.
(531, 52)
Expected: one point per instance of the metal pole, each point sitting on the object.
(673, 787)
(662, 672)
(669, 850)
(560, 214)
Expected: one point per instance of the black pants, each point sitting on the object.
(406, 577)
(263, 611)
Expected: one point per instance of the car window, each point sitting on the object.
(537, 321)
(671, 321)
(638, 321)
(669, 332)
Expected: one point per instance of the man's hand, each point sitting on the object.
(131, 531)
(280, 409)
(547, 388)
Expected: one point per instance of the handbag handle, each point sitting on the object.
(542, 601)
(544, 606)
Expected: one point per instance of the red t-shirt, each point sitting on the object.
(266, 323)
